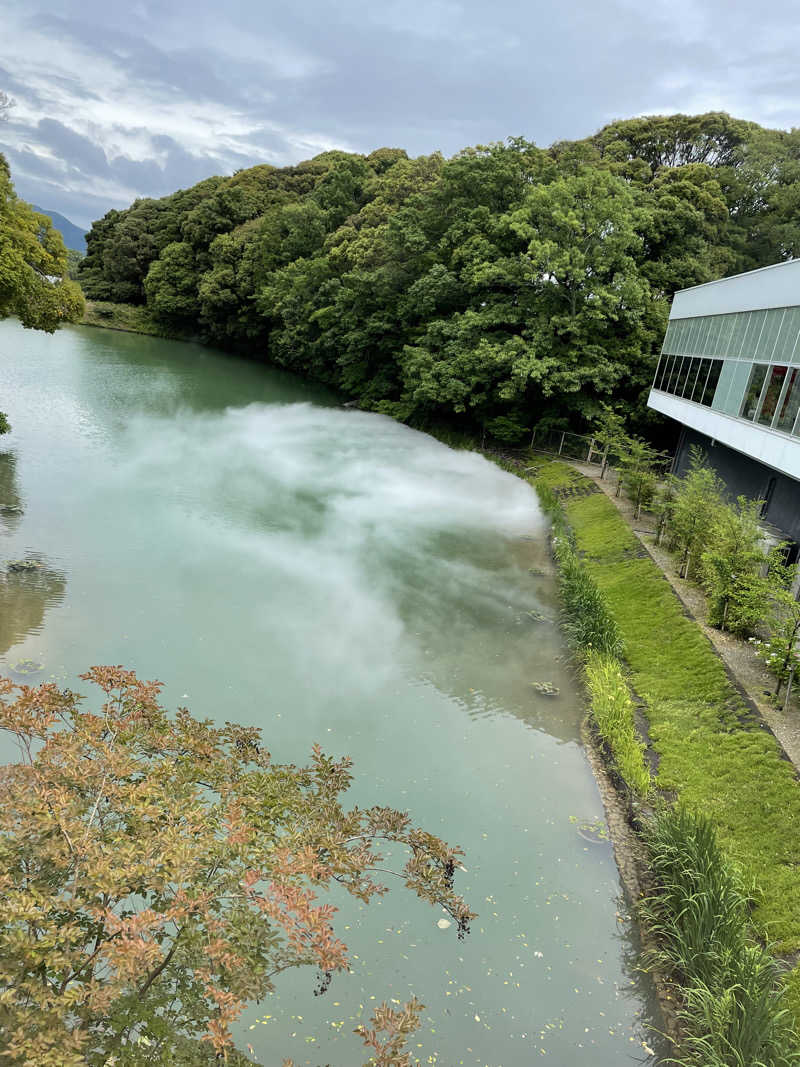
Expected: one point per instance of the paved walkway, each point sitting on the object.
(738, 656)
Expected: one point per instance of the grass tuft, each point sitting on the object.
(613, 711)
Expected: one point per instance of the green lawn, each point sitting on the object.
(713, 754)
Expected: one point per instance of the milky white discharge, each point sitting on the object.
(343, 525)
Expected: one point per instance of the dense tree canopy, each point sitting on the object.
(502, 287)
(33, 265)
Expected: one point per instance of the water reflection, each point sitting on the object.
(126, 374)
(10, 499)
(26, 592)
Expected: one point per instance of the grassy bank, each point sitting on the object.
(129, 318)
(714, 754)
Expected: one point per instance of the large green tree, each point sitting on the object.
(33, 265)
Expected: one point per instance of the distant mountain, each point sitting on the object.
(74, 236)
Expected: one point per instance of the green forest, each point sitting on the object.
(506, 287)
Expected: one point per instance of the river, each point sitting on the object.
(330, 575)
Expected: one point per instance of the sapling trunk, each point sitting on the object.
(788, 690)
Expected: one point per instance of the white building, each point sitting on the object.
(729, 372)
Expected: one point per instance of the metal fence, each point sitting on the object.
(582, 447)
(571, 445)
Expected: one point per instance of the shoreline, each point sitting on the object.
(630, 856)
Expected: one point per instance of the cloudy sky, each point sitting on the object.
(118, 100)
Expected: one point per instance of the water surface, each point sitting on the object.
(332, 576)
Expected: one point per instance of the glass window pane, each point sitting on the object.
(711, 382)
(766, 342)
(687, 380)
(753, 392)
(738, 334)
(699, 381)
(677, 333)
(726, 326)
(683, 327)
(790, 404)
(792, 342)
(659, 371)
(699, 334)
(772, 395)
(668, 336)
(691, 378)
(710, 339)
(673, 373)
(664, 378)
(686, 329)
(754, 327)
(686, 366)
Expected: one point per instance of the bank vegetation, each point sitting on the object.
(707, 787)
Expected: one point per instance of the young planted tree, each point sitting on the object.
(781, 608)
(664, 498)
(699, 501)
(609, 432)
(637, 474)
(158, 872)
(731, 568)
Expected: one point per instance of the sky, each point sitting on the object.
(115, 101)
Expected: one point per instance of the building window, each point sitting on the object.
(691, 378)
(755, 324)
(711, 383)
(686, 366)
(738, 335)
(699, 381)
(753, 392)
(769, 334)
(789, 404)
(674, 371)
(663, 371)
(772, 395)
(725, 336)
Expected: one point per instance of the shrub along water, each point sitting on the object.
(589, 624)
(613, 711)
(733, 1009)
